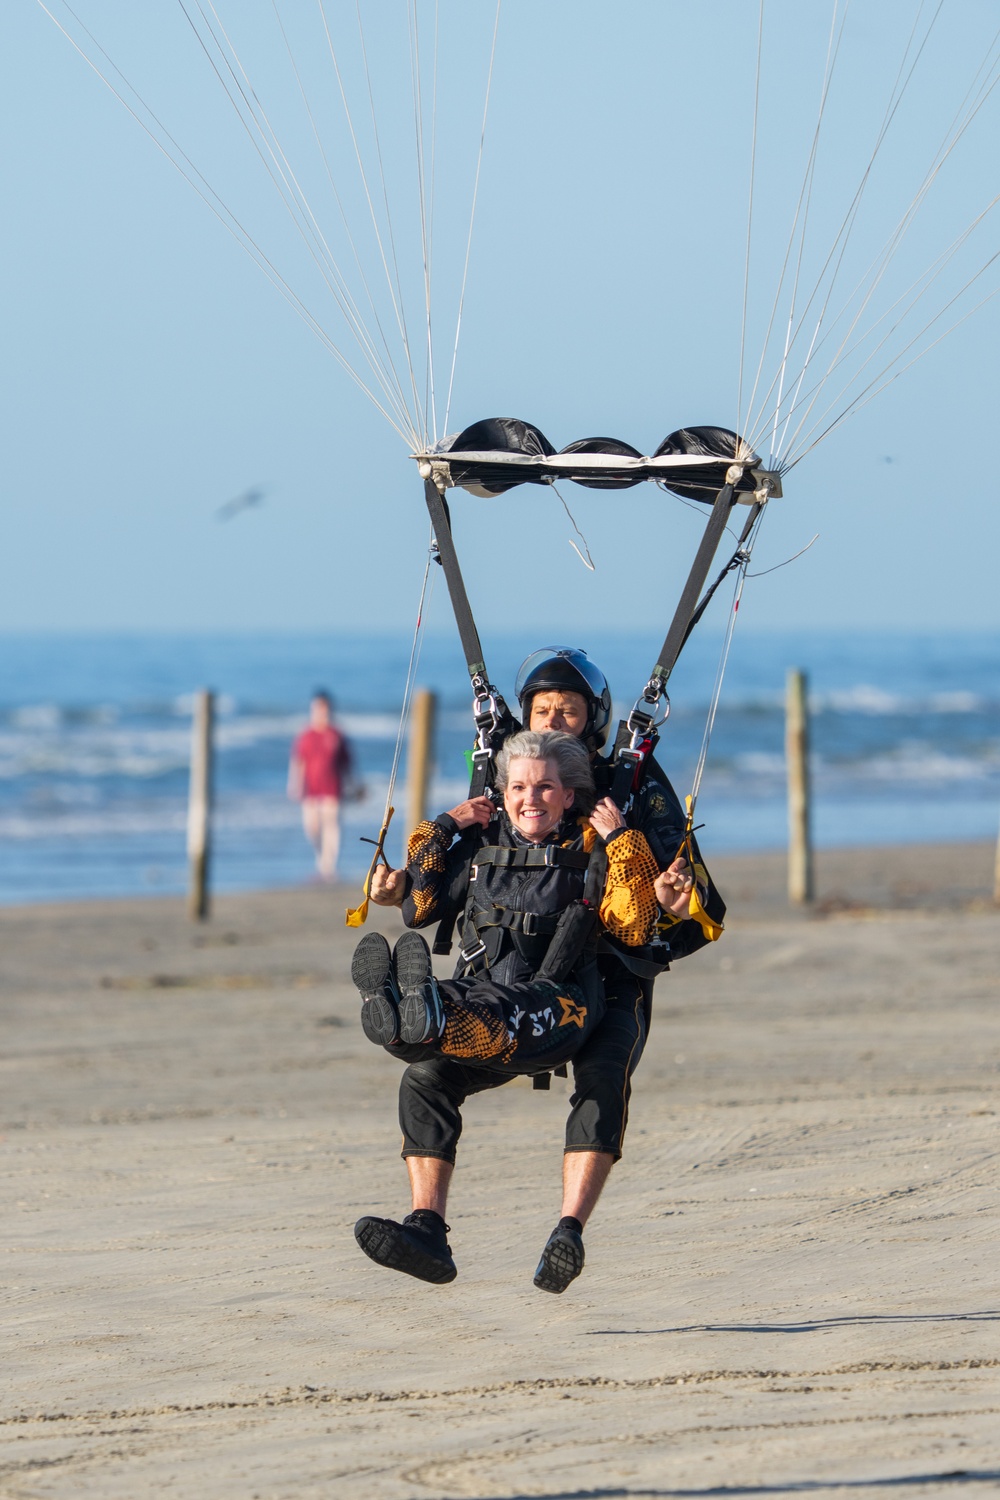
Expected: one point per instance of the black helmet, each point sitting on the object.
(568, 670)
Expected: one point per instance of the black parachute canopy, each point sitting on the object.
(497, 453)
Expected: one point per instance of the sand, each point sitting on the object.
(792, 1279)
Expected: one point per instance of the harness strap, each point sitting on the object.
(577, 925)
(531, 924)
(631, 747)
(738, 557)
(544, 1080)
(493, 718)
(441, 522)
(568, 931)
(688, 602)
(505, 857)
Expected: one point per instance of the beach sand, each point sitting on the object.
(792, 1278)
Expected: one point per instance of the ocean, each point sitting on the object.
(95, 740)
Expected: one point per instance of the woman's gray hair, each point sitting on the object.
(567, 754)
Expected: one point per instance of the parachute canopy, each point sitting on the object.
(497, 453)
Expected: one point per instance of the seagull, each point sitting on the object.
(240, 502)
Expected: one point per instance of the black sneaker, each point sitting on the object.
(417, 1247)
(562, 1260)
(371, 972)
(421, 1013)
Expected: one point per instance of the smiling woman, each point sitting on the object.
(542, 776)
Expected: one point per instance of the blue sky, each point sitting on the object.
(151, 373)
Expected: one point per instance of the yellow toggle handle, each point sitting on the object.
(358, 915)
(712, 930)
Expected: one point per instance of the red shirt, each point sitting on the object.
(325, 760)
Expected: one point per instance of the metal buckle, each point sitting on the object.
(469, 955)
(640, 721)
(486, 710)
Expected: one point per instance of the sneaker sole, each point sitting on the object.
(387, 1246)
(561, 1263)
(411, 961)
(380, 1021)
(371, 975)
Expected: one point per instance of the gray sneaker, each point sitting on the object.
(371, 973)
(421, 1011)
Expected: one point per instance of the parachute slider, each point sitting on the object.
(498, 453)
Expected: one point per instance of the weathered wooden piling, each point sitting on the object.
(199, 829)
(420, 759)
(800, 855)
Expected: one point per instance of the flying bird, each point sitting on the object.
(240, 502)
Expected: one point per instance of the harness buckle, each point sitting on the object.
(643, 718)
(471, 955)
(486, 711)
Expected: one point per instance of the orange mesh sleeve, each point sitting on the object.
(426, 865)
(629, 908)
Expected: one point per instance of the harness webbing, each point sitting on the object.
(688, 602)
(441, 522)
(493, 720)
(637, 735)
(738, 557)
(527, 922)
(537, 857)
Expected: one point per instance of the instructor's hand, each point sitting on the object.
(606, 817)
(388, 887)
(673, 888)
(475, 810)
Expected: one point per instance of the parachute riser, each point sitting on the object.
(638, 734)
(492, 717)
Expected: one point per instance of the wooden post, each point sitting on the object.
(421, 756)
(199, 829)
(800, 860)
(996, 875)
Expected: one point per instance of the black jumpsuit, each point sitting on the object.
(433, 1089)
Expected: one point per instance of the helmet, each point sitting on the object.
(567, 669)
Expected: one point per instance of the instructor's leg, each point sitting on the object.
(430, 1179)
(584, 1176)
(602, 1073)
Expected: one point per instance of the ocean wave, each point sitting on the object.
(878, 702)
(914, 764)
(918, 763)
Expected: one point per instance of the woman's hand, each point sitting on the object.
(388, 887)
(606, 818)
(475, 810)
(673, 887)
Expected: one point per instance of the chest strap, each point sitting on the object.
(533, 857)
(529, 923)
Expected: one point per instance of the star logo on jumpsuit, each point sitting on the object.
(572, 1013)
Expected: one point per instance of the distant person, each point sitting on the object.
(319, 776)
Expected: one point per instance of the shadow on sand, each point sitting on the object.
(791, 1487)
(816, 1325)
